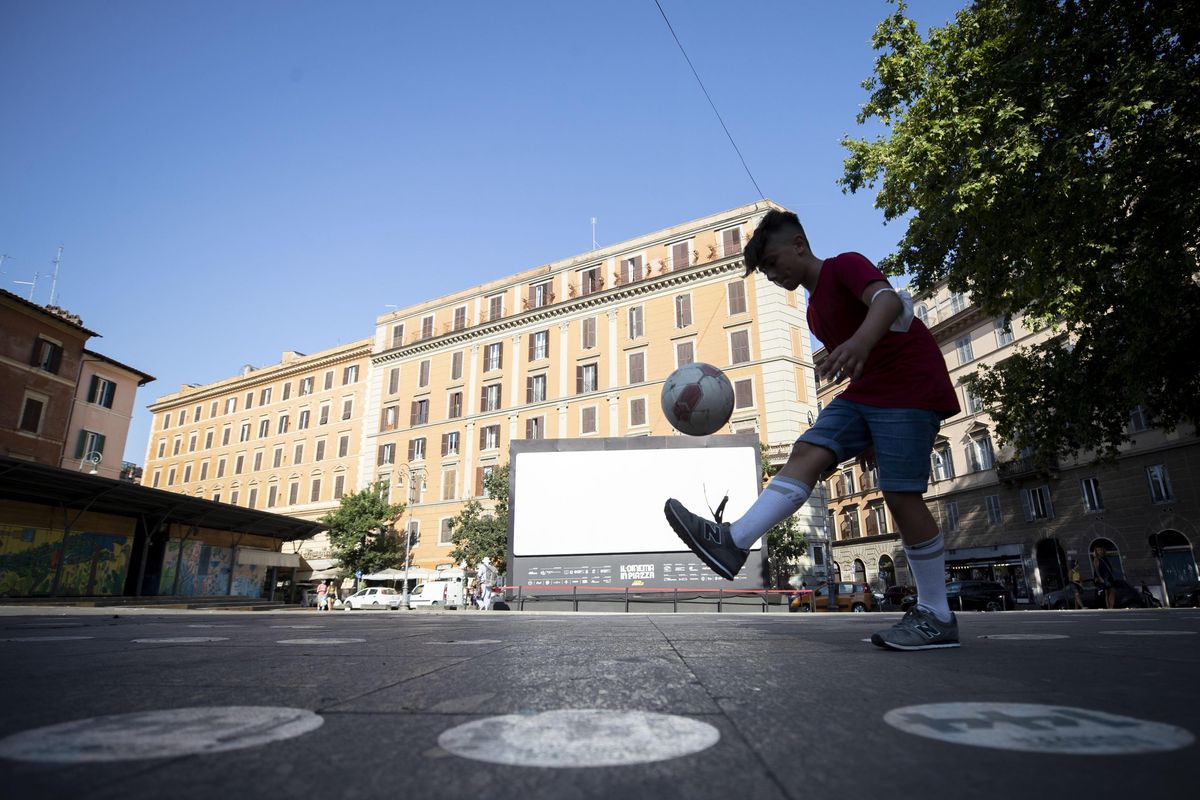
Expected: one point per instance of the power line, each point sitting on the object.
(710, 100)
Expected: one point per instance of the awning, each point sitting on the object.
(414, 574)
(318, 569)
(266, 558)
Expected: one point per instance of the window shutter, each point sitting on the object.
(479, 477)
(92, 387)
(547, 344)
(412, 417)
(1049, 504)
(482, 437)
(412, 449)
(379, 455)
(445, 446)
(80, 444)
(579, 380)
(500, 355)
(529, 390)
(1027, 502)
(532, 339)
(56, 355)
(872, 523)
(529, 429)
(483, 399)
(34, 359)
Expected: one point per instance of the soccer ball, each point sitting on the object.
(697, 399)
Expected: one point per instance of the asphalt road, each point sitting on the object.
(104, 704)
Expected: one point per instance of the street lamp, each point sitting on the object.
(94, 458)
(411, 474)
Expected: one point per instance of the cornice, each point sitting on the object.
(565, 308)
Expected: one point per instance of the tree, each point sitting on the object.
(477, 532)
(1047, 154)
(785, 542)
(362, 532)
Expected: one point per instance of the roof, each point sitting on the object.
(143, 378)
(4, 293)
(45, 485)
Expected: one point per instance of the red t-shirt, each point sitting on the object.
(903, 370)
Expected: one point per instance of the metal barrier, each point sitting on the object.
(644, 595)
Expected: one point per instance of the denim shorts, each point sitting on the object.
(903, 439)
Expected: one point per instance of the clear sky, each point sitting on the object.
(231, 179)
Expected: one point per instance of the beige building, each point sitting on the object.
(283, 438)
(574, 349)
(100, 414)
(1004, 520)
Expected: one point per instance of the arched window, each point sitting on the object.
(887, 571)
(860, 571)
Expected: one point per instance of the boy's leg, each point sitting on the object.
(925, 549)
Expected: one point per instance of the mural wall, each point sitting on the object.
(205, 569)
(93, 561)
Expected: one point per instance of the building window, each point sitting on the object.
(1004, 332)
(277, 460)
(637, 412)
(192, 443)
(238, 463)
(162, 448)
(540, 294)
(460, 318)
(47, 355)
(495, 307)
(493, 356)
(88, 443)
(446, 532)
(293, 494)
(971, 403)
(423, 374)
(1037, 503)
(339, 486)
(264, 428)
(249, 401)
(187, 473)
(264, 397)
(287, 390)
(845, 484)
(535, 428)
(419, 414)
(731, 241)
(226, 432)
(208, 439)
(963, 348)
(980, 453)
(258, 459)
(456, 366)
(681, 255)
(320, 454)
(587, 420)
(739, 347)
(736, 291)
(489, 437)
(298, 453)
(850, 528)
(992, 502)
(450, 443)
(427, 326)
(31, 414)
(306, 386)
(637, 367)
(877, 523)
(302, 422)
(586, 378)
(454, 405)
(941, 462)
(328, 380)
(386, 454)
(958, 302)
(951, 515)
(631, 269)
(743, 393)
(350, 375)
(1092, 499)
(490, 399)
(636, 322)
(244, 433)
(449, 484)
(539, 345)
(683, 310)
(393, 380)
(343, 446)
(176, 445)
(314, 494)
(589, 333)
(347, 408)
(1160, 483)
(590, 280)
(102, 391)
(284, 422)
(397, 335)
(230, 405)
(1137, 420)
(535, 389)
(685, 353)
(220, 468)
(272, 495)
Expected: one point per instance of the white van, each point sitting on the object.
(447, 590)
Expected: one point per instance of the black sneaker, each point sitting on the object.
(709, 540)
(918, 629)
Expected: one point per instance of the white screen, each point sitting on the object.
(611, 501)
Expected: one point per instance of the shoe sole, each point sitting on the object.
(879, 641)
(683, 533)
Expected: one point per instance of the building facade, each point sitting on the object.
(1003, 519)
(573, 349)
(100, 415)
(283, 438)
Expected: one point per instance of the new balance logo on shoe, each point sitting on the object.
(712, 533)
(927, 630)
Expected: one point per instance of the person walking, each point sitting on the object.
(1104, 576)
(888, 415)
(1076, 585)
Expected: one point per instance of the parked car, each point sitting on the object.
(1092, 597)
(893, 597)
(375, 597)
(978, 596)
(856, 597)
(1186, 598)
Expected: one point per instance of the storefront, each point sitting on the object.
(1005, 564)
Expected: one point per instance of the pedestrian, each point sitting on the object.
(898, 394)
(1076, 585)
(322, 596)
(486, 575)
(1103, 575)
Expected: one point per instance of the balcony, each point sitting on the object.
(1021, 468)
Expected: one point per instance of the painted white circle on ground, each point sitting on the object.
(1024, 636)
(1149, 633)
(470, 641)
(571, 738)
(319, 641)
(46, 638)
(183, 640)
(159, 734)
(1037, 728)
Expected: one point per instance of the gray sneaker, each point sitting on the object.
(709, 540)
(919, 629)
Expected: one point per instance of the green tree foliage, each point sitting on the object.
(477, 531)
(1046, 154)
(785, 542)
(363, 534)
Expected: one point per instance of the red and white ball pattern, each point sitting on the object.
(697, 399)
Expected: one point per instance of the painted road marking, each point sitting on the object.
(319, 641)
(46, 638)
(159, 734)
(1024, 636)
(1038, 728)
(214, 626)
(1149, 633)
(571, 738)
(300, 627)
(469, 641)
(183, 640)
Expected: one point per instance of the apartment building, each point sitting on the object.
(574, 349)
(1004, 519)
(100, 415)
(283, 438)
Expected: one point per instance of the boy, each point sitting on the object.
(899, 393)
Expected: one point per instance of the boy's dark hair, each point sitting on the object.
(774, 222)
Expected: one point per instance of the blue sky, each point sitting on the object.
(279, 172)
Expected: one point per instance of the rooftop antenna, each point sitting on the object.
(31, 284)
(594, 245)
(3, 256)
(54, 282)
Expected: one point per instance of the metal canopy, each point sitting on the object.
(44, 485)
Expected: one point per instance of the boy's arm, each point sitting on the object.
(849, 358)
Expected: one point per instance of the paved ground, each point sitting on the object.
(744, 705)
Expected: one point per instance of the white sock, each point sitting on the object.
(779, 500)
(927, 561)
